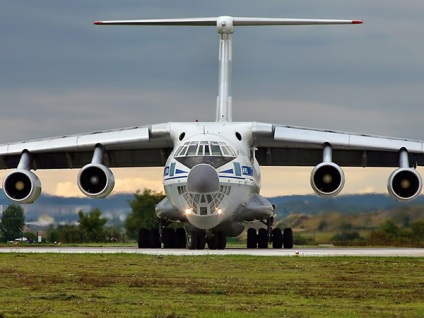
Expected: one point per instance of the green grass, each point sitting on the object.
(131, 285)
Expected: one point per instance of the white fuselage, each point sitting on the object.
(207, 204)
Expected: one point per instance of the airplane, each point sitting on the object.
(211, 170)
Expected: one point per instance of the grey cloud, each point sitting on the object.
(56, 65)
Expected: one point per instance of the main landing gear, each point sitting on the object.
(162, 236)
(180, 238)
(197, 240)
(215, 240)
(261, 238)
(171, 238)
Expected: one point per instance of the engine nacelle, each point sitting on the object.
(22, 186)
(96, 180)
(327, 179)
(404, 184)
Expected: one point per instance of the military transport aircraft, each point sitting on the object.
(211, 169)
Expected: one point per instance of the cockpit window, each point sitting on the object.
(192, 149)
(181, 151)
(215, 153)
(216, 150)
(205, 148)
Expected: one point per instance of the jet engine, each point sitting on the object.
(404, 184)
(96, 180)
(327, 179)
(22, 186)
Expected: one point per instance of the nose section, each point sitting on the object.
(203, 178)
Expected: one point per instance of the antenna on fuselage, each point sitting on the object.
(225, 27)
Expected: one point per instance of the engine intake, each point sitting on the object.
(404, 184)
(96, 180)
(327, 179)
(22, 186)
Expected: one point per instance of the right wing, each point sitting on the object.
(327, 150)
(280, 145)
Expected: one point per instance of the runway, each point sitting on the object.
(296, 252)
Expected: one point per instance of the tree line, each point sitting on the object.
(91, 225)
(388, 234)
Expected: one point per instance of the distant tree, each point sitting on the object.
(406, 220)
(302, 240)
(113, 234)
(391, 234)
(346, 237)
(417, 229)
(143, 211)
(64, 233)
(346, 226)
(391, 230)
(92, 225)
(322, 225)
(12, 222)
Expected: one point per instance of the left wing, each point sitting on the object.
(142, 146)
(279, 145)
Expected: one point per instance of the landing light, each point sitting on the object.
(188, 211)
(219, 211)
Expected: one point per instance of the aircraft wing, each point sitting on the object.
(279, 145)
(141, 146)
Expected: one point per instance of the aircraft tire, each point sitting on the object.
(252, 238)
(222, 240)
(288, 238)
(201, 241)
(213, 242)
(277, 238)
(153, 239)
(180, 238)
(262, 238)
(191, 240)
(168, 238)
(196, 240)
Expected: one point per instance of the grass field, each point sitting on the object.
(127, 285)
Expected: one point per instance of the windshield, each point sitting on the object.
(215, 153)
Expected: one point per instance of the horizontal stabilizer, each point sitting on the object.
(237, 21)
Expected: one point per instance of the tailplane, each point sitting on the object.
(225, 27)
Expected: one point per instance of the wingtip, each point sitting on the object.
(357, 22)
(98, 22)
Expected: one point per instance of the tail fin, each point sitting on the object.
(225, 27)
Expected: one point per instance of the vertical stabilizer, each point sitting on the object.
(225, 27)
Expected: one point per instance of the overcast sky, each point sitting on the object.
(60, 74)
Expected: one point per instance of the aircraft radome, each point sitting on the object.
(211, 169)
